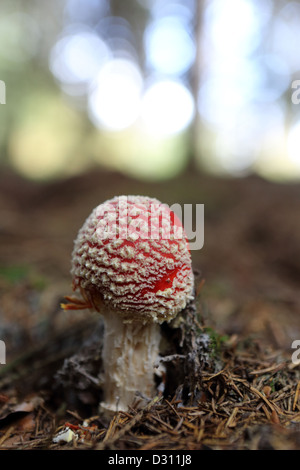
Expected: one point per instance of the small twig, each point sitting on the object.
(109, 442)
(170, 358)
(296, 396)
(6, 435)
(272, 369)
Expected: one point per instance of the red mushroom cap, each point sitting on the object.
(132, 256)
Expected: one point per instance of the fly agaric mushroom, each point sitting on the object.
(131, 262)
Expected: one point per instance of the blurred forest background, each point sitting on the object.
(148, 87)
(187, 101)
(183, 100)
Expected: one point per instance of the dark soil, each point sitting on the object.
(242, 392)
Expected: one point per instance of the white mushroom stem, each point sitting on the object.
(129, 353)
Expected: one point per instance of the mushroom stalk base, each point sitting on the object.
(129, 353)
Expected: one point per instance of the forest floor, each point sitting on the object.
(249, 304)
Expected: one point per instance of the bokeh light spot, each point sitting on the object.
(169, 47)
(78, 57)
(167, 107)
(114, 100)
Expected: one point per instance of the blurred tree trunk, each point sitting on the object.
(195, 79)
